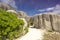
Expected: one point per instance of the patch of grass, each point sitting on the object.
(51, 36)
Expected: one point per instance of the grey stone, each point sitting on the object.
(49, 21)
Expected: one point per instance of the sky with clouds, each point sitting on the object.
(55, 9)
(33, 7)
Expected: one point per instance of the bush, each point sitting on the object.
(10, 26)
(26, 29)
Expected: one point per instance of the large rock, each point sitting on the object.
(5, 6)
(13, 11)
(20, 14)
(55, 22)
(35, 21)
(48, 21)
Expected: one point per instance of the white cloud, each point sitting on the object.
(46, 10)
(49, 9)
(41, 10)
(55, 9)
(11, 2)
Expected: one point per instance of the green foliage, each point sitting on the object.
(10, 25)
(25, 31)
(50, 30)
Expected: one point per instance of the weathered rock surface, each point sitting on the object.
(49, 21)
(5, 6)
(20, 14)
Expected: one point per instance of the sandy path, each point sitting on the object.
(33, 34)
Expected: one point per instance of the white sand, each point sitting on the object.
(33, 34)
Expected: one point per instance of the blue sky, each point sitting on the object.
(32, 7)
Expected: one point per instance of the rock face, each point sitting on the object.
(22, 13)
(13, 11)
(50, 21)
(5, 6)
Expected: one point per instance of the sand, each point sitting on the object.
(33, 34)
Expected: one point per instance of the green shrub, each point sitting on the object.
(26, 29)
(10, 26)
